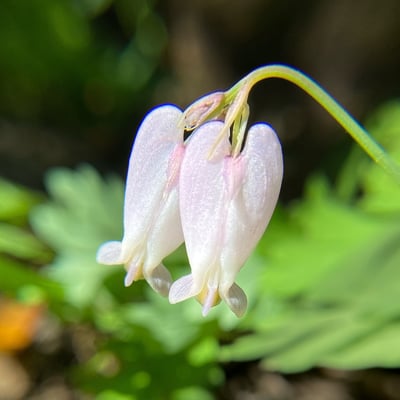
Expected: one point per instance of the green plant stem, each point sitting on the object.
(356, 131)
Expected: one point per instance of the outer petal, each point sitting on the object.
(166, 233)
(152, 227)
(260, 171)
(260, 167)
(202, 200)
(109, 253)
(149, 167)
(226, 204)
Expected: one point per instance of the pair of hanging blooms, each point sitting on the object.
(215, 191)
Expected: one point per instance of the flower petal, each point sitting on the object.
(160, 280)
(166, 233)
(202, 199)
(226, 204)
(182, 289)
(152, 227)
(149, 166)
(109, 253)
(260, 167)
(236, 299)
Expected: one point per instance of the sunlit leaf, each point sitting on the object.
(381, 192)
(16, 201)
(85, 212)
(19, 243)
(380, 347)
(15, 276)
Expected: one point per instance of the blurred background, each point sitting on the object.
(76, 79)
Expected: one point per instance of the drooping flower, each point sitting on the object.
(152, 226)
(226, 203)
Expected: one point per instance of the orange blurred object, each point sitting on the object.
(18, 324)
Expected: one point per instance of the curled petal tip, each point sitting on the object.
(236, 300)
(160, 280)
(181, 289)
(110, 253)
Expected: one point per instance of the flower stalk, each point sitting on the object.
(313, 89)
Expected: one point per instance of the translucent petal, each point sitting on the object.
(202, 198)
(166, 233)
(182, 289)
(109, 253)
(236, 299)
(160, 280)
(152, 227)
(260, 167)
(226, 204)
(148, 181)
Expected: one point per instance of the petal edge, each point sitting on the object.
(110, 253)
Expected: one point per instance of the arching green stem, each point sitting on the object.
(356, 131)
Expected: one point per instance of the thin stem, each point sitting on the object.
(356, 131)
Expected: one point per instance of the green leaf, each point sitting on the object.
(14, 277)
(181, 323)
(378, 348)
(328, 332)
(114, 395)
(283, 334)
(19, 243)
(84, 212)
(381, 192)
(192, 393)
(320, 232)
(16, 201)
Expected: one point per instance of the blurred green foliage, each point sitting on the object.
(20, 250)
(74, 224)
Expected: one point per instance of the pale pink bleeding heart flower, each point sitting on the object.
(226, 203)
(152, 226)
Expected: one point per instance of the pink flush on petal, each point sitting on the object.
(225, 205)
(152, 226)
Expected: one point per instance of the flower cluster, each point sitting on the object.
(215, 191)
